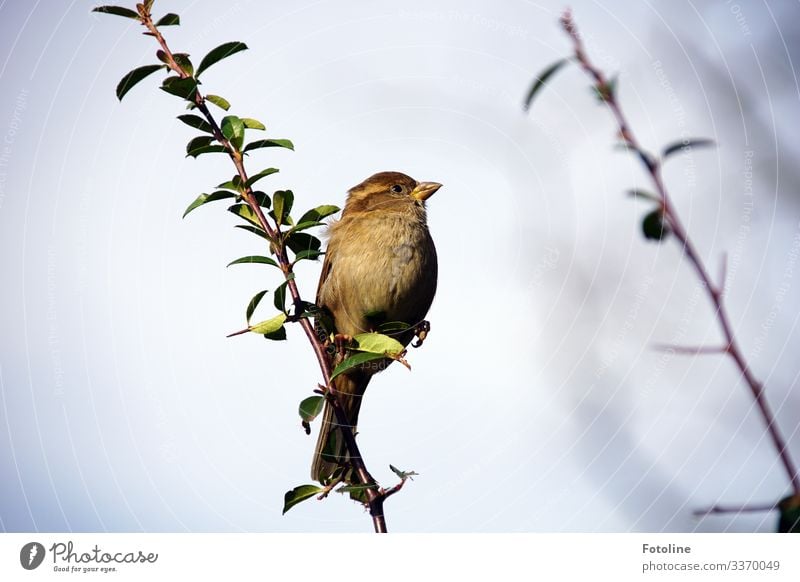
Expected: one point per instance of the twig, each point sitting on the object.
(653, 167)
(691, 350)
(375, 498)
(722, 509)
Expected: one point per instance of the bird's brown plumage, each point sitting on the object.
(380, 266)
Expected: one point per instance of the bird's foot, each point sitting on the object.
(421, 332)
(341, 341)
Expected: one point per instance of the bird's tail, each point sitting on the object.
(331, 451)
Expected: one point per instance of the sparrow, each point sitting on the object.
(380, 267)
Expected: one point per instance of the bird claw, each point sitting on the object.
(341, 341)
(421, 332)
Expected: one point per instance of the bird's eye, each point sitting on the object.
(397, 188)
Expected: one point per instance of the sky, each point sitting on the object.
(538, 403)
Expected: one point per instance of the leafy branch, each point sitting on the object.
(662, 221)
(268, 217)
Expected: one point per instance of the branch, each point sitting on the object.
(653, 167)
(278, 246)
(722, 509)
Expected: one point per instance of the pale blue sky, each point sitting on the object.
(537, 403)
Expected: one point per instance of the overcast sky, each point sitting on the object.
(537, 403)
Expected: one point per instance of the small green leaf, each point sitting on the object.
(378, 343)
(253, 259)
(205, 198)
(311, 407)
(318, 213)
(200, 141)
(262, 198)
(302, 241)
(269, 325)
(280, 294)
(639, 193)
(308, 254)
(355, 361)
(182, 60)
(263, 173)
(789, 521)
(687, 144)
(244, 211)
(185, 88)
(654, 227)
(403, 474)
(250, 123)
(540, 81)
(298, 494)
(218, 149)
(605, 92)
(220, 102)
(277, 335)
(136, 75)
(170, 19)
(196, 122)
(233, 129)
(282, 202)
(118, 11)
(254, 229)
(219, 53)
(269, 143)
(251, 306)
(304, 226)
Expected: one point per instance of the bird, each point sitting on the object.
(380, 266)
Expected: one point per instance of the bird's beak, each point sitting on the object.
(425, 190)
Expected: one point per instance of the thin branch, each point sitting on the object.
(723, 509)
(278, 246)
(653, 167)
(691, 350)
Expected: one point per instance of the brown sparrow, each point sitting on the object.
(380, 267)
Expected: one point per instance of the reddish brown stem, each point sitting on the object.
(375, 498)
(653, 167)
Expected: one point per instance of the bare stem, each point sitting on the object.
(375, 497)
(722, 509)
(714, 291)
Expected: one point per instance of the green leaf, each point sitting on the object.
(305, 226)
(182, 60)
(355, 361)
(233, 129)
(298, 494)
(219, 149)
(377, 343)
(318, 213)
(136, 75)
(200, 141)
(220, 102)
(638, 193)
(269, 143)
(219, 53)
(182, 87)
(789, 521)
(253, 259)
(403, 474)
(282, 202)
(263, 173)
(280, 294)
(311, 407)
(302, 241)
(262, 198)
(251, 306)
(540, 81)
(606, 91)
(196, 122)
(205, 198)
(688, 144)
(169, 19)
(118, 11)
(269, 325)
(244, 211)
(277, 335)
(308, 254)
(654, 227)
(254, 229)
(250, 123)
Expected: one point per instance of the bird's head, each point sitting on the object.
(389, 190)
